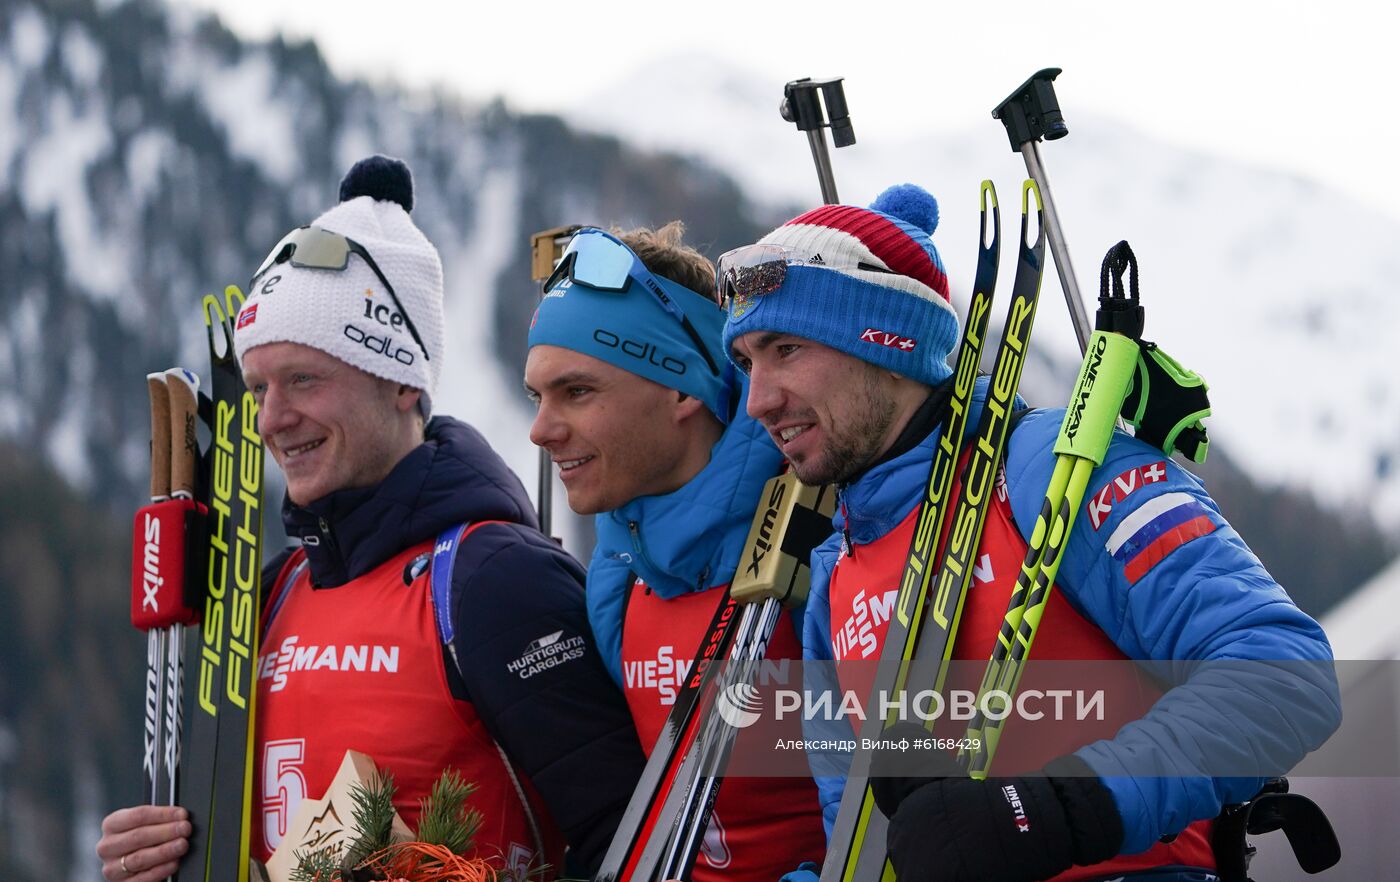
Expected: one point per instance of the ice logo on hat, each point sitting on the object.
(739, 705)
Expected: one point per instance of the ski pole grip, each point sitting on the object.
(802, 107)
(834, 94)
(1104, 377)
(159, 558)
(160, 435)
(183, 388)
(1032, 111)
(791, 520)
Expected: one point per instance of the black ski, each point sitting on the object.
(855, 849)
(218, 774)
(933, 645)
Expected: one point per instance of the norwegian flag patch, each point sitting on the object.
(247, 317)
(892, 341)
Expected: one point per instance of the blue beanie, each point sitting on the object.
(901, 320)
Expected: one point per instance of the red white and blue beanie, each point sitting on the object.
(347, 313)
(901, 320)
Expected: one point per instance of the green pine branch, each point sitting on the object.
(316, 864)
(373, 814)
(446, 818)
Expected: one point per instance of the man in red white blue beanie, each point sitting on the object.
(842, 320)
(871, 285)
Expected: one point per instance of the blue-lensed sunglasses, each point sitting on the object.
(601, 261)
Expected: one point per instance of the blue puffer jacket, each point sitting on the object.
(687, 540)
(1209, 599)
(568, 727)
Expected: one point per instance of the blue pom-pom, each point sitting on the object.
(911, 204)
(380, 177)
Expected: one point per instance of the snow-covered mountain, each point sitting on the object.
(150, 156)
(1275, 288)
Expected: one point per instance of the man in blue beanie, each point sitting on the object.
(643, 415)
(841, 319)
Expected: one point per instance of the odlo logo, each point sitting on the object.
(715, 847)
(150, 566)
(380, 345)
(640, 350)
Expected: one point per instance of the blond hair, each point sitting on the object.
(662, 251)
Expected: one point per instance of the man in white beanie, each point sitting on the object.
(341, 342)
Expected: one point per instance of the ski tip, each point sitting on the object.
(1028, 188)
(988, 193)
(911, 204)
(380, 177)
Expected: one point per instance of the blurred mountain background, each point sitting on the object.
(149, 156)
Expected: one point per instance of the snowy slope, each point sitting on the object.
(1275, 288)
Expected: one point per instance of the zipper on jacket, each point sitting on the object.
(848, 547)
(637, 546)
(328, 541)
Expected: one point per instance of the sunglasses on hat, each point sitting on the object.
(754, 270)
(601, 261)
(311, 247)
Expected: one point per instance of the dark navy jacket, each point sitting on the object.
(567, 727)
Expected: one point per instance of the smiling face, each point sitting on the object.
(614, 436)
(832, 415)
(330, 426)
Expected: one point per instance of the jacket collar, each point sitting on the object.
(691, 539)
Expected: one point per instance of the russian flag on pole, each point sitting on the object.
(1156, 529)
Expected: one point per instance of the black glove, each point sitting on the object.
(952, 828)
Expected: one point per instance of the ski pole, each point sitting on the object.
(183, 389)
(546, 248)
(1104, 380)
(785, 527)
(803, 106)
(1029, 114)
(147, 567)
